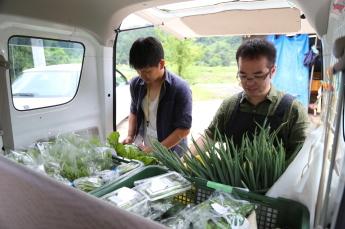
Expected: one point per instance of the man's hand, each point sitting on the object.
(200, 142)
(128, 140)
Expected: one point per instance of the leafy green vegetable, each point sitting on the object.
(87, 184)
(129, 151)
(69, 155)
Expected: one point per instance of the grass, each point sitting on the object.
(202, 92)
(209, 75)
(206, 82)
(211, 82)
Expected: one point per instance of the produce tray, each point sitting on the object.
(126, 171)
(117, 159)
(128, 181)
(270, 212)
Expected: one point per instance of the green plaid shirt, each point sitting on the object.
(296, 118)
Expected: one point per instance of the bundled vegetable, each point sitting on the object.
(69, 156)
(130, 151)
(87, 184)
(221, 210)
(77, 157)
(255, 165)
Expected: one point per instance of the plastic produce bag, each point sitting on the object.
(30, 158)
(73, 157)
(163, 186)
(107, 175)
(87, 184)
(221, 210)
(128, 199)
(158, 208)
(69, 157)
(127, 167)
(300, 181)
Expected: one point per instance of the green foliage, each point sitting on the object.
(204, 74)
(256, 164)
(73, 169)
(55, 52)
(129, 151)
(20, 58)
(125, 40)
(219, 51)
(62, 56)
(180, 54)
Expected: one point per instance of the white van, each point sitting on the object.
(58, 81)
(83, 34)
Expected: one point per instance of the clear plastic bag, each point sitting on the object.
(107, 175)
(21, 157)
(73, 156)
(128, 199)
(163, 186)
(87, 184)
(70, 157)
(158, 208)
(221, 210)
(127, 167)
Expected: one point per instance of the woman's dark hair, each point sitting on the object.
(255, 48)
(145, 52)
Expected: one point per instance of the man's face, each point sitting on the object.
(151, 74)
(255, 75)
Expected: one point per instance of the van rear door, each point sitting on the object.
(55, 83)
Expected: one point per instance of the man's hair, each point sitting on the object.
(145, 52)
(256, 48)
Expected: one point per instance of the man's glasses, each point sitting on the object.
(244, 77)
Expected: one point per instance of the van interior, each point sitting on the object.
(87, 99)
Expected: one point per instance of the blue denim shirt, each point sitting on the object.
(174, 107)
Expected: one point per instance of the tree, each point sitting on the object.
(55, 52)
(20, 58)
(180, 53)
(219, 51)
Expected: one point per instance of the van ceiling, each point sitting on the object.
(228, 18)
(103, 16)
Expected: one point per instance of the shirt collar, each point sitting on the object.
(272, 95)
(167, 77)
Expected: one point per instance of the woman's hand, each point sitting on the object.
(128, 140)
(145, 149)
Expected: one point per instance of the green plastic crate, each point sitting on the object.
(142, 173)
(270, 212)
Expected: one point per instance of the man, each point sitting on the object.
(259, 101)
(161, 106)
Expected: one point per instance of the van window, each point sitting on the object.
(43, 72)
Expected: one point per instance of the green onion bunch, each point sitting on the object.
(256, 164)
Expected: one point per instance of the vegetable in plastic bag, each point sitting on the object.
(87, 184)
(221, 210)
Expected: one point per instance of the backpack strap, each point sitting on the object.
(284, 104)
